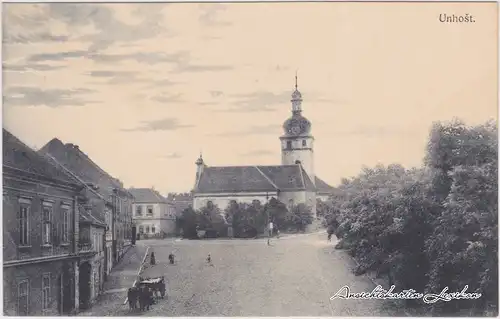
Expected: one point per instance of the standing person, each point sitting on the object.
(163, 287)
(270, 230)
(171, 258)
(153, 259)
(209, 259)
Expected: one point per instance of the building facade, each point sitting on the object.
(154, 215)
(117, 208)
(293, 182)
(40, 234)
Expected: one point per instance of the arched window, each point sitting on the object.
(304, 143)
(153, 229)
(147, 229)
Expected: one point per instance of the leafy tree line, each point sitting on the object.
(431, 227)
(246, 220)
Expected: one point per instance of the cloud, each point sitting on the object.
(166, 124)
(216, 93)
(59, 56)
(29, 67)
(109, 29)
(117, 77)
(32, 37)
(257, 153)
(33, 96)
(163, 98)
(150, 58)
(187, 67)
(208, 15)
(164, 82)
(271, 129)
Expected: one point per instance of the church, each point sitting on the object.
(293, 182)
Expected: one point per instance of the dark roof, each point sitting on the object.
(322, 187)
(233, 179)
(89, 217)
(146, 195)
(18, 155)
(254, 178)
(74, 160)
(181, 201)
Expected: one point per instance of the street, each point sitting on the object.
(295, 276)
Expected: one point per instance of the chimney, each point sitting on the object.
(77, 147)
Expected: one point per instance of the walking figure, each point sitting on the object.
(209, 259)
(153, 259)
(171, 258)
(163, 287)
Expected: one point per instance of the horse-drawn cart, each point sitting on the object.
(156, 285)
(146, 292)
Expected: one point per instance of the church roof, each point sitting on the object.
(322, 187)
(235, 179)
(147, 195)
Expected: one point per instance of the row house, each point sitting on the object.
(116, 202)
(154, 215)
(41, 255)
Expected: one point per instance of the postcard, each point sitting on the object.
(250, 159)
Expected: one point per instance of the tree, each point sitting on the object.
(433, 227)
(277, 212)
(300, 217)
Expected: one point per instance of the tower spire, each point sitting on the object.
(296, 86)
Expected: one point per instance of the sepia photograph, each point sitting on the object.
(250, 159)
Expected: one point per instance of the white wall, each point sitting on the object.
(304, 154)
(163, 218)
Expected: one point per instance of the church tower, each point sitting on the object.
(297, 142)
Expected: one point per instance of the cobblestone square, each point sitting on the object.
(295, 276)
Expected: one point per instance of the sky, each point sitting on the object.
(144, 88)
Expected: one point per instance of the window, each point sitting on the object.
(23, 297)
(150, 210)
(47, 223)
(141, 229)
(288, 144)
(24, 225)
(138, 210)
(65, 224)
(153, 229)
(304, 143)
(147, 229)
(46, 291)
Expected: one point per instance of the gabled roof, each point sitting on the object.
(233, 179)
(253, 179)
(180, 201)
(19, 156)
(322, 187)
(73, 159)
(89, 217)
(146, 195)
